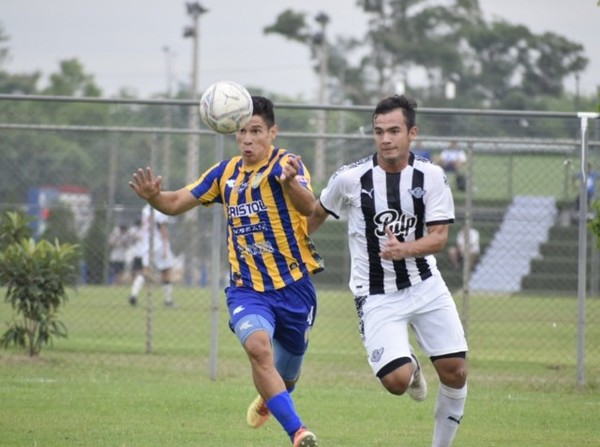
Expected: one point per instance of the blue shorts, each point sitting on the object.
(287, 314)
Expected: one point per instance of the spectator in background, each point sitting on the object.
(118, 241)
(457, 252)
(420, 151)
(590, 187)
(136, 247)
(162, 256)
(453, 160)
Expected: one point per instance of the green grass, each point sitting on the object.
(99, 387)
(501, 177)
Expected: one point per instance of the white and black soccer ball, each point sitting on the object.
(226, 107)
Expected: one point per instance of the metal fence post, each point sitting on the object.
(466, 273)
(216, 273)
(582, 264)
(113, 160)
(152, 285)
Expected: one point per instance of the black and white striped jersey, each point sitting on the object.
(407, 202)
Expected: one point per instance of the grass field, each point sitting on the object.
(99, 387)
(501, 177)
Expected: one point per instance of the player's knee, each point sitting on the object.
(258, 346)
(396, 375)
(452, 371)
(456, 379)
(395, 385)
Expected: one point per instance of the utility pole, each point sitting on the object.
(192, 259)
(166, 161)
(195, 10)
(577, 105)
(320, 39)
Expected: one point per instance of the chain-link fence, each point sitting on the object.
(527, 293)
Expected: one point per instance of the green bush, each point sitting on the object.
(14, 226)
(35, 275)
(93, 256)
(594, 224)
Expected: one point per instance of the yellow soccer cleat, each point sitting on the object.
(258, 413)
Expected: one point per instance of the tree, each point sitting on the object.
(506, 58)
(293, 26)
(72, 81)
(491, 63)
(49, 158)
(60, 225)
(24, 84)
(550, 60)
(36, 276)
(14, 83)
(94, 259)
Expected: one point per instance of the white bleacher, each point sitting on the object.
(507, 260)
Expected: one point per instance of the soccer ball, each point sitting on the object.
(226, 107)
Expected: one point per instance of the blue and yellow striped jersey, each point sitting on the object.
(267, 238)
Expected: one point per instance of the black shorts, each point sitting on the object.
(137, 264)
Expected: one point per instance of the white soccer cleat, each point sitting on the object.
(417, 390)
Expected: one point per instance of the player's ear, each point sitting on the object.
(413, 132)
(273, 131)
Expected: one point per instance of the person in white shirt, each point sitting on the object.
(118, 241)
(452, 160)
(162, 255)
(457, 253)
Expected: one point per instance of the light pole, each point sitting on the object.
(166, 161)
(195, 10)
(577, 92)
(192, 261)
(169, 69)
(320, 39)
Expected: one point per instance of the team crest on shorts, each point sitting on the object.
(376, 355)
(307, 334)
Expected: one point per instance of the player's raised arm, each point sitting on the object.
(148, 188)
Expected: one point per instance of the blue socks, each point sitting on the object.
(282, 408)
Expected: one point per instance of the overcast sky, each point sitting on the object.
(121, 42)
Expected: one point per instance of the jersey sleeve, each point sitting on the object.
(303, 176)
(206, 189)
(439, 205)
(333, 197)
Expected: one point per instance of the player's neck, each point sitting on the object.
(392, 166)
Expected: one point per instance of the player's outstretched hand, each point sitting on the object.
(144, 184)
(291, 168)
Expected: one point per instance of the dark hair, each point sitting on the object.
(408, 106)
(263, 107)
